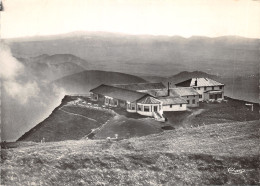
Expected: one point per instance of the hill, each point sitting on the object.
(207, 155)
(82, 82)
(79, 117)
(67, 123)
(182, 76)
(55, 66)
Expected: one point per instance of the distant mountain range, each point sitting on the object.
(149, 55)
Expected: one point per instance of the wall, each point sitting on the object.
(175, 107)
(207, 97)
(130, 110)
(202, 90)
(190, 98)
(151, 109)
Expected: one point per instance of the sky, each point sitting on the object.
(212, 18)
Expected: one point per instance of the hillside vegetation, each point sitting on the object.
(67, 122)
(212, 154)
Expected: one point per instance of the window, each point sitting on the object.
(187, 96)
(106, 101)
(212, 88)
(115, 102)
(198, 88)
(211, 96)
(146, 109)
(139, 107)
(128, 106)
(133, 106)
(220, 87)
(205, 88)
(194, 96)
(200, 96)
(193, 101)
(180, 105)
(188, 101)
(170, 106)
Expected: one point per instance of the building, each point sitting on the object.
(132, 101)
(208, 89)
(173, 103)
(187, 93)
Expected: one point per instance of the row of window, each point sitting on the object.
(171, 105)
(215, 96)
(212, 88)
(193, 101)
(131, 106)
(111, 101)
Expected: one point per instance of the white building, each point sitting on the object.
(173, 103)
(208, 89)
(132, 101)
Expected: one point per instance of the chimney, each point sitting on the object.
(196, 82)
(169, 88)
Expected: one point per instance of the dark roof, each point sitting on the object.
(149, 100)
(157, 93)
(118, 93)
(184, 83)
(184, 91)
(201, 82)
(172, 100)
(141, 86)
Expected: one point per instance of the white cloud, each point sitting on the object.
(22, 92)
(10, 68)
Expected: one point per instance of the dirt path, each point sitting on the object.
(77, 115)
(187, 122)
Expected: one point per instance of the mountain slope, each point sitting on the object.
(67, 123)
(82, 82)
(182, 76)
(208, 155)
(55, 66)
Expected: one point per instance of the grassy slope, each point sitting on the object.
(233, 110)
(61, 126)
(198, 156)
(128, 127)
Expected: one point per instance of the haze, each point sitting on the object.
(176, 17)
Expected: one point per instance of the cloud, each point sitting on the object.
(10, 67)
(11, 71)
(22, 92)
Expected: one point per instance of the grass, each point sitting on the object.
(233, 110)
(128, 128)
(61, 126)
(66, 126)
(194, 156)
